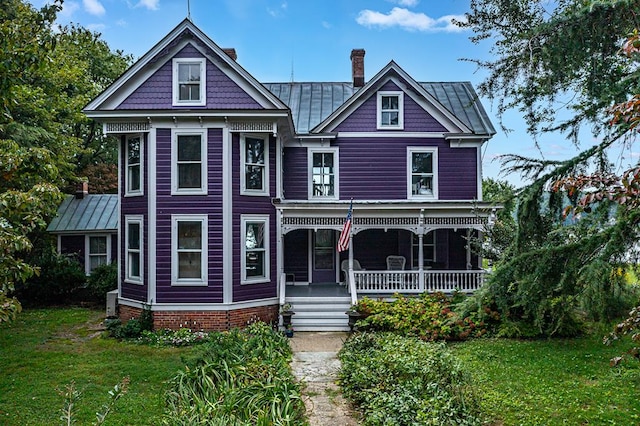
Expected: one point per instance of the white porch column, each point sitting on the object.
(420, 260)
(468, 246)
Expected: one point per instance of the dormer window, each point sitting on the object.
(390, 110)
(189, 82)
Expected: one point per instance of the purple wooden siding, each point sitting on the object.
(74, 245)
(376, 169)
(137, 205)
(296, 174)
(296, 254)
(156, 92)
(364, 119)
(249, 205)
(167, 205)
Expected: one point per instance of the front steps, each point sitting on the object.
(320, 313)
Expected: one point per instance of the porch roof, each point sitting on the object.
(417, 217)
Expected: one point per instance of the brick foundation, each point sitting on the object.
(204, 320)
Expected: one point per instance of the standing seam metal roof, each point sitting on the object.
(312, 103)
(93, 213)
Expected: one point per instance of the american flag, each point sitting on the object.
(343, 241)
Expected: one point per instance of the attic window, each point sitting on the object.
(189, 82)
(390, 110)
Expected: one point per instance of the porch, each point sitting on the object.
(323, 306)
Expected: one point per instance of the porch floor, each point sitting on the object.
(317, 290)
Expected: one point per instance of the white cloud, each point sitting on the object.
(96, 27)
(407, 3)
(94, 7)
(326, 24)
(68, 9)
(407, 20)
(121, 23)
(149, 4)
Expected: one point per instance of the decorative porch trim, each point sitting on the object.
(253, 126)
(126, 127)
(413, 224)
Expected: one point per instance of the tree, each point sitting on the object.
(559, 63)
(46, 77)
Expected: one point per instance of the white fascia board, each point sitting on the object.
(130, 114)
(392, 134)
(457, 140)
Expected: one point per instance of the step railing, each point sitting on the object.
(383, 282)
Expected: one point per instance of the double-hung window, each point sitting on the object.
(255, 249)
(189, 162)
(133, 259)
(189, 82)
(423, 172)
(133, 158)
(428, 249)
(323, 173)
(255, 160)
(98, 251)
(391, 110)
(189, 249)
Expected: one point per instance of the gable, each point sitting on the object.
(148, 82)
(221, 91)
(364, 117)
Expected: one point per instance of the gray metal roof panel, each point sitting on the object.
(312, 103)
(93, 213)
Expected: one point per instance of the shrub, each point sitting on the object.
(429, 316)
(133, 328)
(238, 377)
(103, 279)
(60, 277)
(398, 380)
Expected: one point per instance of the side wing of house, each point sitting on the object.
(409, 156)
(198, 138)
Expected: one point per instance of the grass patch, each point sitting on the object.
(555, 381)
(46, 349)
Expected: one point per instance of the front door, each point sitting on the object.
(323, 256)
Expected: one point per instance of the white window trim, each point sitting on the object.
(174, 162)
(336, 172)
(139, 220)
(400, 125)
(243, 177)
(127, 191)
(203, 82)
(203, 219)
(434, 152)
(243, 249)
(87, 250)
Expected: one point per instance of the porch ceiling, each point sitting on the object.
(411, 216)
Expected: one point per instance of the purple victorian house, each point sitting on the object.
(233, 192)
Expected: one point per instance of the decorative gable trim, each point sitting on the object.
(186, 32)
(392, 72)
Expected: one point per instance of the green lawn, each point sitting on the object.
(46, 349)
(553, 382)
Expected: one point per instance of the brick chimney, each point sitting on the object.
(82, 190)
(357, 67)
(231, 52)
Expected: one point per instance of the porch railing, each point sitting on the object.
(389, 282)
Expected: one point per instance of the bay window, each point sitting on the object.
(133, 257)
(189, 249)
(133, 167)
(189, 162)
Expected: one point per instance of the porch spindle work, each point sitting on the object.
(389, 282)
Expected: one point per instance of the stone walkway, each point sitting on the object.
(315, 363)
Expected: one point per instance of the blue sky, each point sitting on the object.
(312, 40)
